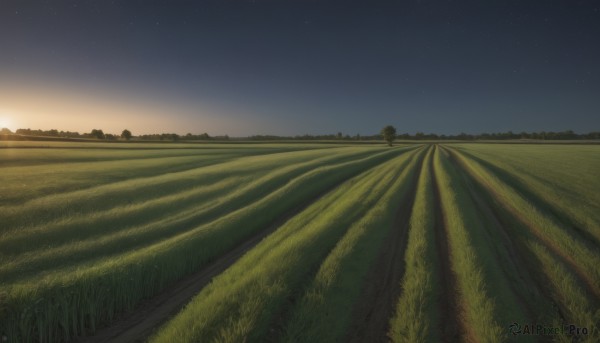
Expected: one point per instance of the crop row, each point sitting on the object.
(311, 258)
(561, 262)
(500, 269)
(311, 278)
(411, 245)
(73, 298)
(121, 228)
(31, 173)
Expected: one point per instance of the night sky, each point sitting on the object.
(296, 67)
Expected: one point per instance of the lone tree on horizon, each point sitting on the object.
(126, 134)
(389, 134)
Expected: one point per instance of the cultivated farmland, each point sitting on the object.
(299, 242)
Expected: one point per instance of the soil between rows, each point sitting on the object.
(279, 321)
(139, 324)
(450, 314)
(578, 232)
(540, 291)
(498, 224)
(371, 315)
(567, 260)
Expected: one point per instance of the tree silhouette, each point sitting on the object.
(389, 134)
(126, 134)
(97, 133)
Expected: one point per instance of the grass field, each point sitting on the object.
(299, 242)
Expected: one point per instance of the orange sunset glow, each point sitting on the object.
(80, 108)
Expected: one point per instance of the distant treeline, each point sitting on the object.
(127, 135)
(176, 137)
(542, 135)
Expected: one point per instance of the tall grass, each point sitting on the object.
(561, 180)
(561, 238)
(241, 303)
(28, 174)
(74, 301)
(322, 313)
(122, 229)
(65, 204)
(467, 261)
(577, 308)
(39, 153)
(415, 318)
(576, 305)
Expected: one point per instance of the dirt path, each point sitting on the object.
(139, 324)
(371, 316)
(449, 311)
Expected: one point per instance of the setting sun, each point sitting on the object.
(5, 121)
(299, 171)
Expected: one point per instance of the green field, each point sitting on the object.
(299, 242)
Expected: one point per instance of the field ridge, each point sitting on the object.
(276, 243)
(451, 316)
(378, 295)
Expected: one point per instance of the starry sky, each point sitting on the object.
(296, 67)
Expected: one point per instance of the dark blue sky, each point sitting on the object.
(295, 67)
